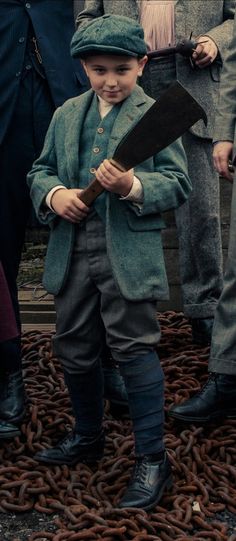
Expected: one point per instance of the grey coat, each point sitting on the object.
(133, 235)
(211, 17)
(225, 125)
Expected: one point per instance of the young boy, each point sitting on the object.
(106, 263)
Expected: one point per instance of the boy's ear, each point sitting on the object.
(142, 61)
(84, 66)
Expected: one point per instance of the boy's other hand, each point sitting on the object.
(114, 180)
(67, 204)
(222, 153)
(205, 53)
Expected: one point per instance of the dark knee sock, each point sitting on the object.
(144, 383)
(86, 394)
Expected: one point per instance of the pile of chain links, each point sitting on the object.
(83, 500)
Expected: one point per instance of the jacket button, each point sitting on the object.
(92, 170)
(18, 73)
(100, 130)
(21, 40)
(28, 5)
(96, 150)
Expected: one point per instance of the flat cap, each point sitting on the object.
(109, 34)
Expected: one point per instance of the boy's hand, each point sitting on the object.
(114, 180)
(222, 153)
(67, 204)
(205, 53)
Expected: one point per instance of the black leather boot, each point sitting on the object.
(216, 399)
(149, 480)
(12, 397)
(74, 448)
(8, 430)
(202, 330)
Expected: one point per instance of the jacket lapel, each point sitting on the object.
(74, 123)
(128, 116)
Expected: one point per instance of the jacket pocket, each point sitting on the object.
(145, 223)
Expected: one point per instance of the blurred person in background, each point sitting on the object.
(217, 398)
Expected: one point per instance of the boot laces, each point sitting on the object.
(212, 377)
(140, 470)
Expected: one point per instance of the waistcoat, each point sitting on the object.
(93, 148)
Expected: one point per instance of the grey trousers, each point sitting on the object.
(223, 345)
(90, 300)
(197, 220)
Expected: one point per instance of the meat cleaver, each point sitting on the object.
(166, 120)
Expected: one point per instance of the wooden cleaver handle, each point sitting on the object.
(89, 194)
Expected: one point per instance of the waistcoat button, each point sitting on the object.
(92, 170)
(96, 150)
(100, 130)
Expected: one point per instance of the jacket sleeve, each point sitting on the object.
(93, 9)
(168, 186)
(44, 175)
(226, 112)
(222, 33)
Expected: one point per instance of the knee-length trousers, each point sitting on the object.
(90, 300)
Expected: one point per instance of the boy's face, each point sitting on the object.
(113, 77)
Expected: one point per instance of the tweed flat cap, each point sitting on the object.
(109, 34)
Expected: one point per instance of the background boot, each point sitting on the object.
(74, 448)
(216, 399)
(8, 430)
(12, 397)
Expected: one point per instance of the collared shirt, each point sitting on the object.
(157, 18)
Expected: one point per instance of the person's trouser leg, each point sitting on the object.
(223, 346)
(199, 233)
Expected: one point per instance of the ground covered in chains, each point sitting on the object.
(80, 503)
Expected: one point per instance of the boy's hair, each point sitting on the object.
(109, 34)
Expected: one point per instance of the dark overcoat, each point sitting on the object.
(53, 24)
